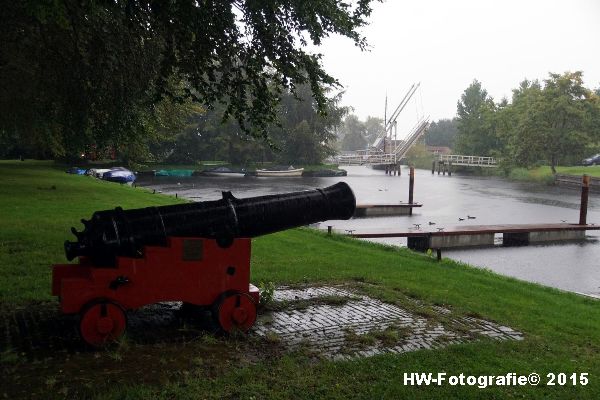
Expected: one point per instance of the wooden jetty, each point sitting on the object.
(483, 235)
(382, 210)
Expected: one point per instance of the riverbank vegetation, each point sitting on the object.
(39, 204)
(554, 122)
(545, 174)
(547, 127)
(301, 136)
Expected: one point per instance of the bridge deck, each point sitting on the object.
(477, 230)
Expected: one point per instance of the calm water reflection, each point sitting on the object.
(568, 266)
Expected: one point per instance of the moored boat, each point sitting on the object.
(291, 171)
(120, 175)
(97, 172)
(174, 172)
(76, 171)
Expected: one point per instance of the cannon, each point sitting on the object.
(196, 253)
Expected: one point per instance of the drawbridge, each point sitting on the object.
(386, 150)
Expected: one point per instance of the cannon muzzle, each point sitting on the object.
(119, 232)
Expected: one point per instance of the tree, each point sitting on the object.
(419, 157)
(442, 133)
(562, 116)
(206, 137)
(303, 136)
(306, 136)
(476, 126)
(555, 123)
(373, 127)
(76, 74)
(518, 132)
(353, 131)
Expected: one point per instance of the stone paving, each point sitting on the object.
(335, 322)
(356, 328)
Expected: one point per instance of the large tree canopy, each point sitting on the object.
(441, 133)
(476, 133)
(353, 132)
(80, 73)
(303, 136)
(556, 121)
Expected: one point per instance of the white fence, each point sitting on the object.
(471, 161)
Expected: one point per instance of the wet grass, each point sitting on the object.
(387, 337)
(303, 304)
(562, 330)
(39, 203)
(580, 170)
(544, 174)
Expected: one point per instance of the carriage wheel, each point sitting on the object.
(102, 323)
(235, 310)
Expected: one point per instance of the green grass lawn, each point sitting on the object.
(544, 174)
(39, 204)
(580, 170)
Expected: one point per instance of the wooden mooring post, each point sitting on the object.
(585, 190)
(411, 187)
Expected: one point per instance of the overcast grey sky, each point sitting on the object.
(447, 44)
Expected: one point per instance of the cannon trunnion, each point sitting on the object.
(197, 253)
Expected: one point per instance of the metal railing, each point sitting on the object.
(367, 159)
(474, 161)
(417, 132)
(370, 157)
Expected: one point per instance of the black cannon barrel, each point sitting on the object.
(119, 232)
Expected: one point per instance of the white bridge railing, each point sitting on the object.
(363, 158)
(377, 156)
(472, 161)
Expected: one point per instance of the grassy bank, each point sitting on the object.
(38, 205)
(544, 174)
(539, 174)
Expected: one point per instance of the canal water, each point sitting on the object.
(572, 266)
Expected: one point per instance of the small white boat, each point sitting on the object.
(291, 171)
(97, 172)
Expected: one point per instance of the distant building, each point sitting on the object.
(437, 150)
